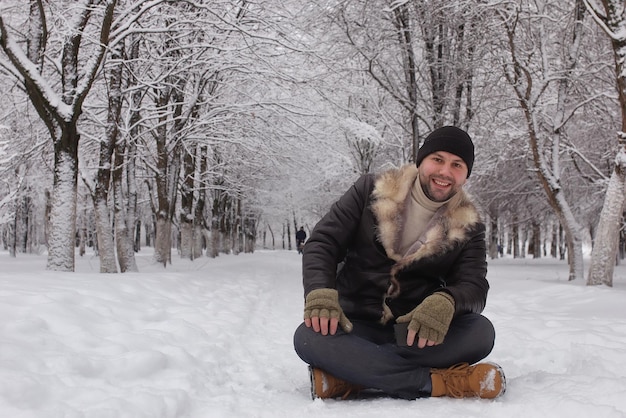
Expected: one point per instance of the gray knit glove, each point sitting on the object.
(324, 303)
(431, 318)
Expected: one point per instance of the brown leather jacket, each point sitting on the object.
(352, 249)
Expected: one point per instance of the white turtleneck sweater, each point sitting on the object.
(418, 212)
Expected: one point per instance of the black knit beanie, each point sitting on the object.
(450, 139)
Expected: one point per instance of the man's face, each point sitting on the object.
(442, 175)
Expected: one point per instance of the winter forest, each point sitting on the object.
(221, 126)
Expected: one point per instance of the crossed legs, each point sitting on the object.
(369, 356)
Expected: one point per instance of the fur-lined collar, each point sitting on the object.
(448, 227)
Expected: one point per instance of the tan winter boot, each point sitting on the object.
(324, 385)
(483, 380)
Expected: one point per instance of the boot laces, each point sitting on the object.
(456, 379)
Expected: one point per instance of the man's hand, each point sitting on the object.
(323, 313)
(430, 320)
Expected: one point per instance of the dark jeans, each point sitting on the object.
(370, 357)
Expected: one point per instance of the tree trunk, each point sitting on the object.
(214, 247)
(168, 172)
(238, 246)
(104, 234)
(163, 241)
(82, 234)
(187, 207)
(162, 244)
(62, 232)
(199, 230)
(216, 222)
(555, 241)
(137, 245)
(106, 242)
(536, 240)
(493, 238)
(12, 235)
(123, 223)
(131, 155)
(186, 239)
(25, 204)
(516, 238)
(605, 248)
(272, 235)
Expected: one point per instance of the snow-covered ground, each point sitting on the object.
(213, 338)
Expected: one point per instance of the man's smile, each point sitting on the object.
(441, 183)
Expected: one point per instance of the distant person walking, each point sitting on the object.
(300, 238)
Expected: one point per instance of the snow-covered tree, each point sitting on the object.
(611, 16)
(58, 94)
(543, 70)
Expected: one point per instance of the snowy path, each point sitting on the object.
(213, 338)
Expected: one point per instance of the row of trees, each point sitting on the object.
(161, 94)
(213, 124)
